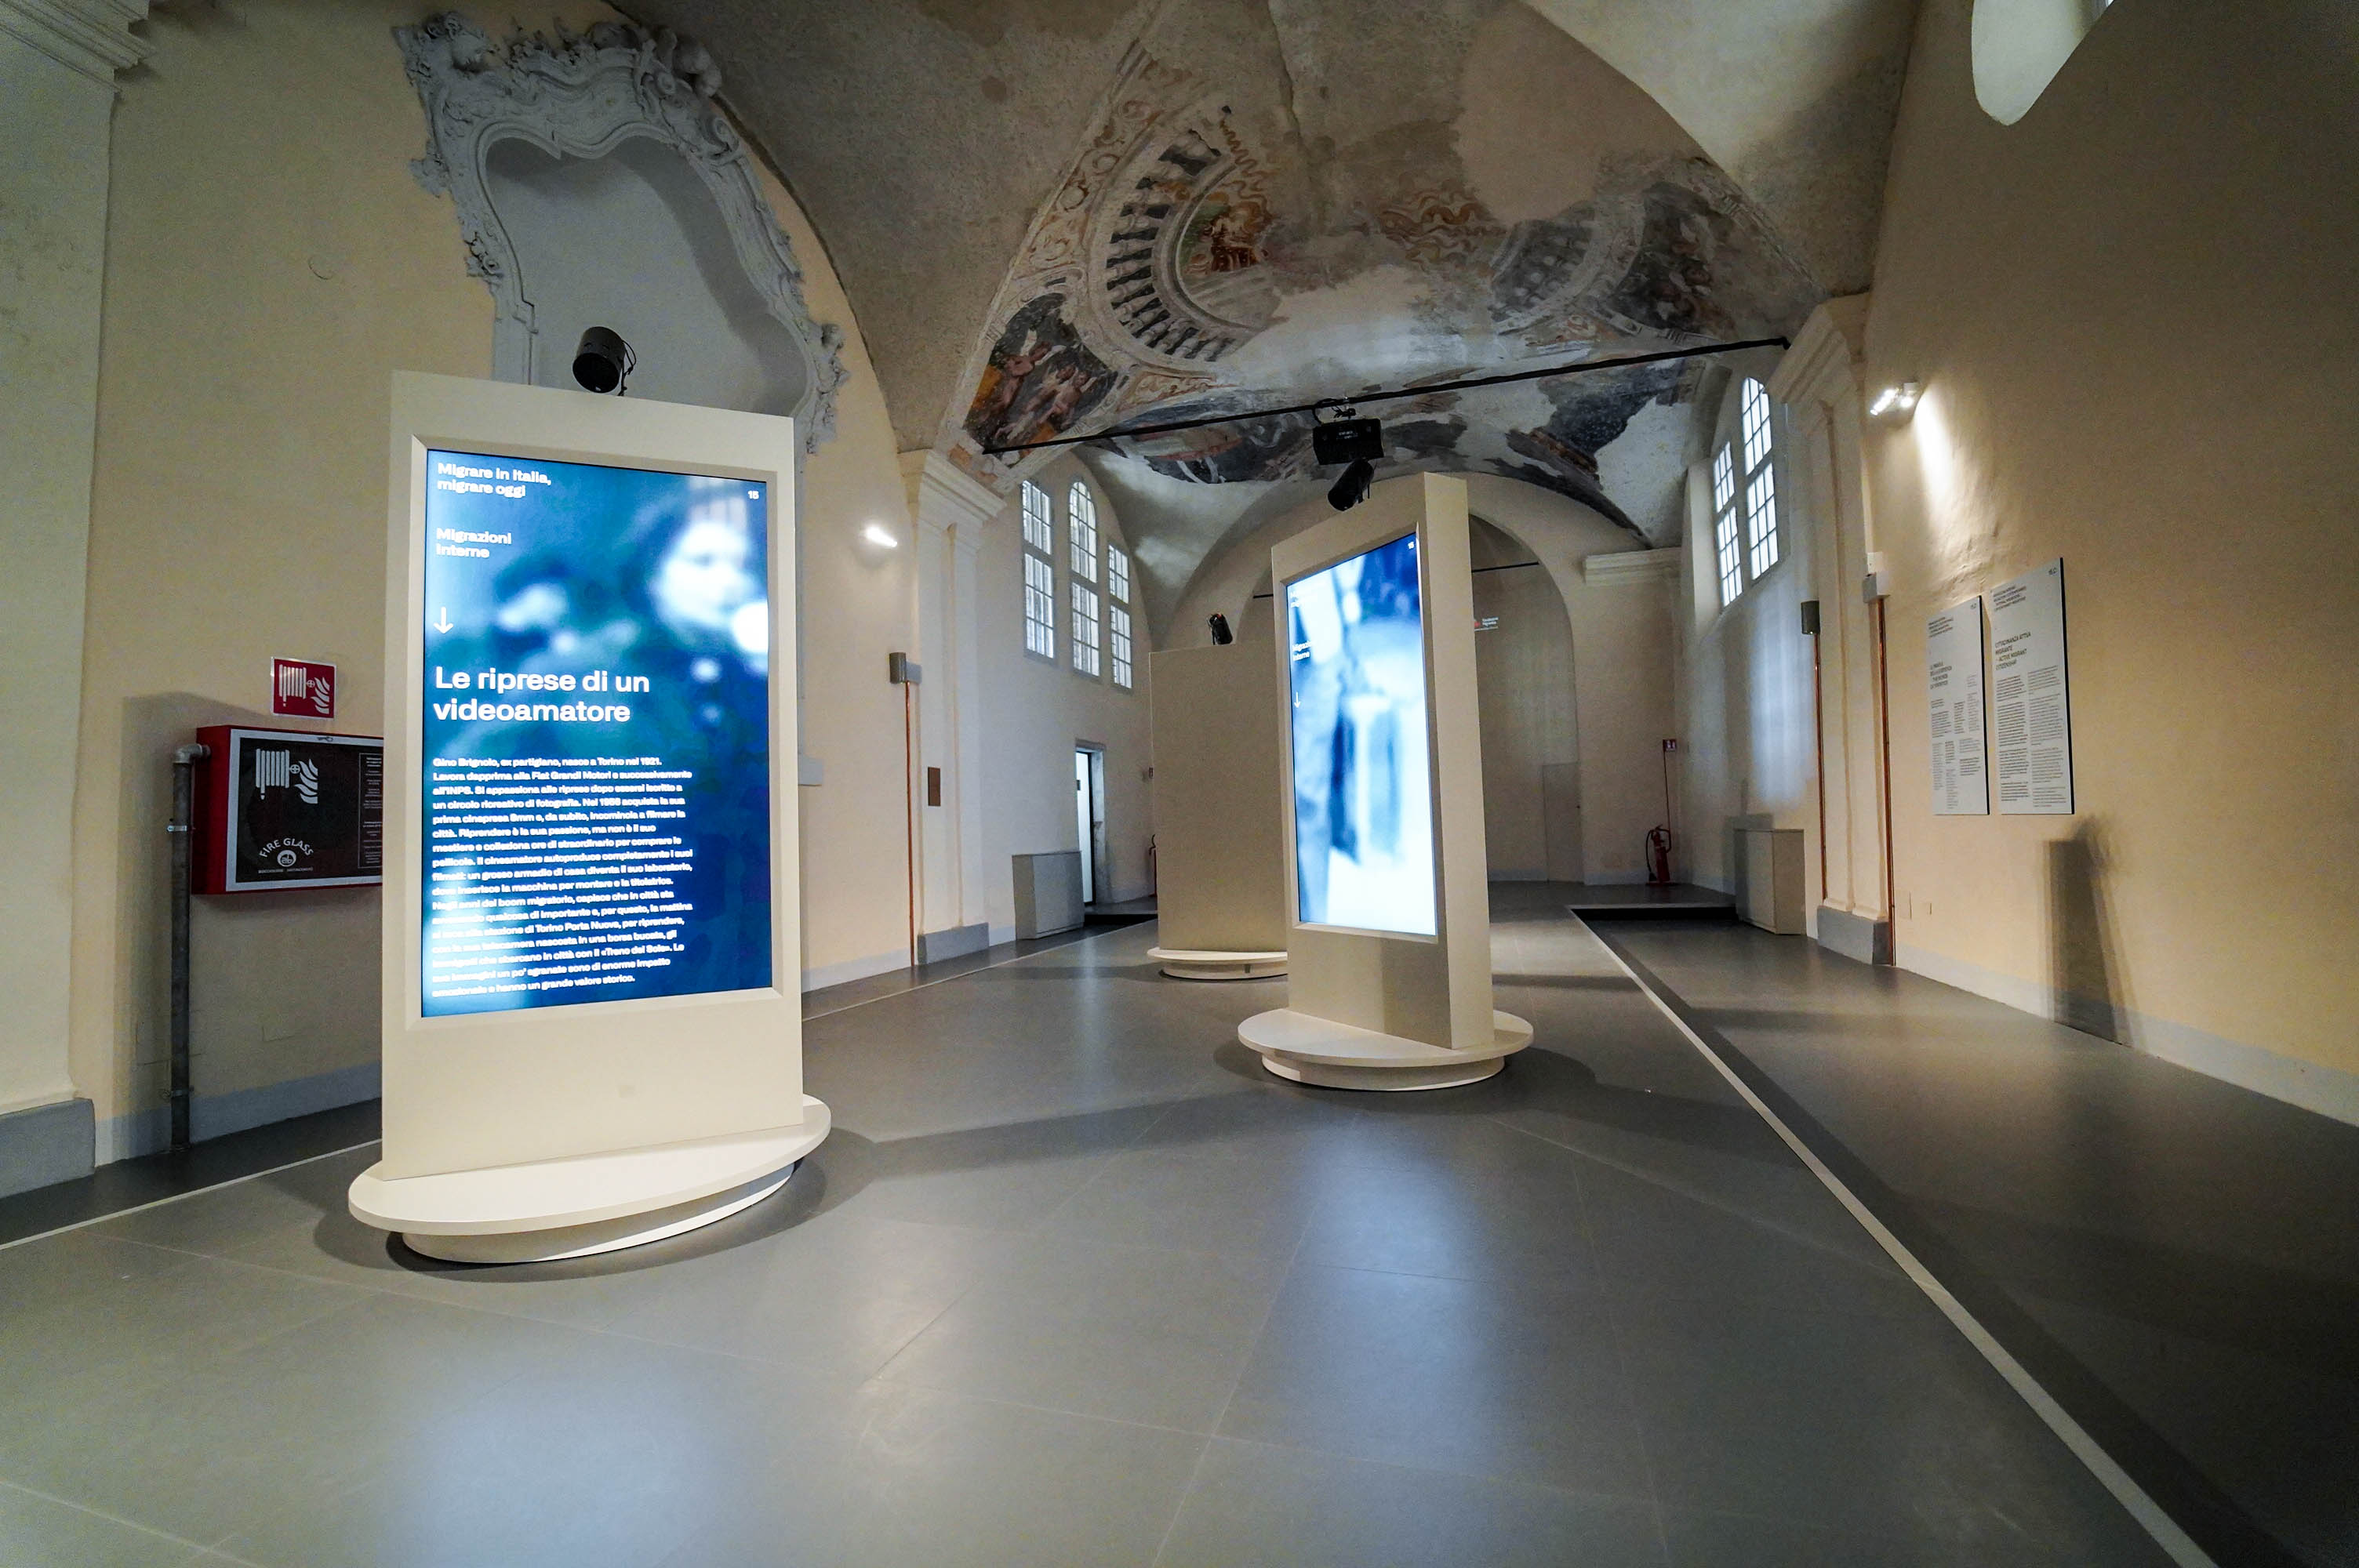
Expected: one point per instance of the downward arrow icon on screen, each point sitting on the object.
(442, 622)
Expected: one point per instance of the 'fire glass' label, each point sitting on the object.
(595, 819)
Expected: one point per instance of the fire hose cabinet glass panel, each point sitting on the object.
(288, 808)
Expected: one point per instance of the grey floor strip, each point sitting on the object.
(2151, 1516)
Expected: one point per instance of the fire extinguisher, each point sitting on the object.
(1659, 838)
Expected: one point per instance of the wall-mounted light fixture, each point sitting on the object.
(603, 362)
(1895, 401)
(1347, 438)
(877, 535)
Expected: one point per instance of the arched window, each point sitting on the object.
(1039, 576)
(1082, 530)
(1745, 540)
(2020, 45)
(1760, 483)
(1118, 642)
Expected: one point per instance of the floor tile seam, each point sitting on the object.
(1003, 1402)
(1179, 1507)
(1698, 1196)
(1570, 1295)
(196, 1548)
(1494, 1477)
(2165, 1531)
(1261, 1328)
(192, 1192)
(965, 974)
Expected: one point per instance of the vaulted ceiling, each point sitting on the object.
(1053, 215)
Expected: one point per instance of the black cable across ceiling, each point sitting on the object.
(1548, 373)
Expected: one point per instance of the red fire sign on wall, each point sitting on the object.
(301, 689)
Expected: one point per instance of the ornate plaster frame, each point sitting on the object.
(581, 95)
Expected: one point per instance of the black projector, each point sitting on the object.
(1348, 441)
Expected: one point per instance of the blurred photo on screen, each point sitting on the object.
(596, 741)
(1363, 796)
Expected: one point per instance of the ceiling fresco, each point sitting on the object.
(1059, 216)
(1211, 253)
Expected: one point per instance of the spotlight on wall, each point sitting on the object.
(1221, 635)
(1359, 443)
(1895, 401)
(876, 533)
(603, 362)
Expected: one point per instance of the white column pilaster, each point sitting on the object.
(58, 60)
(950, 509)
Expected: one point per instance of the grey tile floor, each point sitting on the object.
(1072, 1282)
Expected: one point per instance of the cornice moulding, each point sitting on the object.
(1630, 565)
(1823, 365)
(92, 38)
(942, 494)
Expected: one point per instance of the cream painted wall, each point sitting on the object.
(2131, 316)
(1033, 712)
(238, 514)
(1524, 682)
(1621, 651)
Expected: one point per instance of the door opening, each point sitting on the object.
(1089, 816)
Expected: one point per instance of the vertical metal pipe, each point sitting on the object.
(184, 791)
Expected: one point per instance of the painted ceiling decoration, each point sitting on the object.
(1059, 216)
(1188, 262)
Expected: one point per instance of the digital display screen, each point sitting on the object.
(596, 765)
(1363, 774)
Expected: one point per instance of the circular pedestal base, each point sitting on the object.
(1318, 1051)
(592, 1202)
(1198, 964)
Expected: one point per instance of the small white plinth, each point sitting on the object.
(592, 1202)
(1320, 1051)
(1199, 964)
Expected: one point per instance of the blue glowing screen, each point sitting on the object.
(596, 761)
(1362, 776)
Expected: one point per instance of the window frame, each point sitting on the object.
(1121, 649)
(1087, 609)
(1082, 536)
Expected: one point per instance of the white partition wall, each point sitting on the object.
(592, 1026)
(1387, 889)
(1219, 845)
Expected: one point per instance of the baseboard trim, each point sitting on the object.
(955, 941)
(150, 1132)
(1861, 937)
(2311, 1085)
(42, 1145)
(828, 975)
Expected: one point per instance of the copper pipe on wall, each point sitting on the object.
(1884, 742)
(1818, 757)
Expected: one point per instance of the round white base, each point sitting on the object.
(589, 1203)
(1318, 1051)
(1199, 964)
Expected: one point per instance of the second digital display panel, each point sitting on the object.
(596, 750)
(1362, 761)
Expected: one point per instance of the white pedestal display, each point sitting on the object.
(595, 1202)
(1220, 848)
(1199, 964)
(592, 1035)
(1381, 799)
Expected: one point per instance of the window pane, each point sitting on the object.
(1756, 425)
(1732, 566)
(1081, 528)
(1761, 520)
(1118, 628)
(1723, 480)
(1036, 519)
(1039, 608)
(1117, 573)
(1085, 629)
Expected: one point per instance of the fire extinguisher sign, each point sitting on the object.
(302, 689)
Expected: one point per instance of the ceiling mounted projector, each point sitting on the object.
(603, 362)
(1360, 443)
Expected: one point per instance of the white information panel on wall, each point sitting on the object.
(1953, 690)
(2031, 706)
